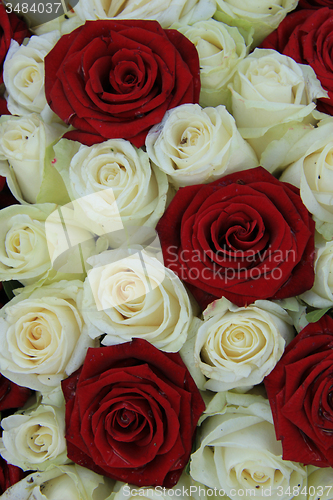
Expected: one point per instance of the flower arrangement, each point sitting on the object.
(166, 250)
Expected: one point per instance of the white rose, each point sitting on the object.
(24, 254)
(36, 439)
(239, 346)
(23, 143)
(41, 336)
(312, 172)
(114, 184)
(263, 15)
(66, 481)
(124, 300)
(194, 145)
(321, 294)
(23, 74)
(166, 13)
(70, 243)
(320, 484)
(271, 90)
(64, 24)
(276, 150)
(239, 451)
(41, 244)
(220, 48)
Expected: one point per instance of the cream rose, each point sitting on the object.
(196, 145)
(220, 48)
(23, 143)
(321, 294)
(239, 346)
(41, 244)
(24, 253)
(64, 23)
(66, 481)
(41, 336)
(125, 299)
(70, 243)
(239, 452)
(166, 13)
(271, 90)
(23, 74)
(320, 483)
(113, 183)
(312, 172)
(262, 15)
(36, 439)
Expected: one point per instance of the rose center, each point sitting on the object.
(19, 242)
(127, 421)
(127, 288)
(237, 343)
(236, 235)
(109, 174)
(14, 140)
(39, 439)
(30, 76)
(254, 478)
(130, 79)
(191, 139)
(38, 337)
(128, 71)
(126, 418)
(273, 81)
(259, 476)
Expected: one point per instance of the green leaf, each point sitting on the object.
(9, 286)
(314, 316)
(188, 468)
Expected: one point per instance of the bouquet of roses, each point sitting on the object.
(166, 249)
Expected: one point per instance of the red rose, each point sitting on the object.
(3, 107)
(6, 197)
(112, 79)
(300, 393)
(314, 4)
(11, 27)
(9, 475)
(307, 37)
(246, 236)
(131, 414)
(12, 395)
